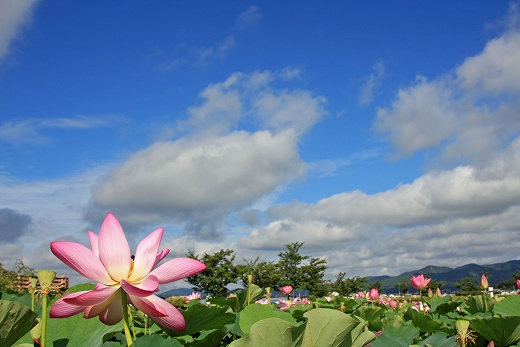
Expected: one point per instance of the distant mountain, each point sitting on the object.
(175, 292)
(497, 273)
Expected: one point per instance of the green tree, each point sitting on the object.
(468, 284)
(220, 271)
(403, 286)
(345, 286)
(510, 284)
(313, 274)
(301, 271)
(289, 265)
(8, 277)
(265, 273)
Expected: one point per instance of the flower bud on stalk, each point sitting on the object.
(438, 292)
(484, 284)
(46, 278)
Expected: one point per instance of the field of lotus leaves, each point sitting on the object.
(249, 319)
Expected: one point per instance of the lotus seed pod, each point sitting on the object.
(46, 278)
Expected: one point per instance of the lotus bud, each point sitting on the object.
(36, 332)
(438, 292)
(484, 284)
(430, 293)
(491, 344)
(46, 278)
(518, 283)
(286, 289)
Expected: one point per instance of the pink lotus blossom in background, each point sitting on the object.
(286, 290)
(110, 263)
(193, 296)
(419, 282)
(262, 301)
(360, 295)
(373, 294)
(283, 305)
(301, 301)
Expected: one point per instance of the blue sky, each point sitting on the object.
(384, 137)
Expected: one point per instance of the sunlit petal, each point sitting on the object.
(92, 297)
(145, 255)
(149, 286)
(114, 251)
(148, 306)
(93, 243)
(82, 260)
(160, 256)
(177, 268)
(61, 309)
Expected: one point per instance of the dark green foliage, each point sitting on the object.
(220, 271)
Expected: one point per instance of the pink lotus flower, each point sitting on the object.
(518, 283)
(360, 295)
(419, 282)
(193, 296)
(286, 290)
(120, 274)
(373, 294)
(301, 301)
(283, 305)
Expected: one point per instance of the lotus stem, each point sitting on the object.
(249, 280)
(34, 283)
(46, 278)
(126, 326)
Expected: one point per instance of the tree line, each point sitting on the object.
(292, 268)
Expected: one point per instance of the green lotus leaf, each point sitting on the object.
(509, 306)
(201, 317)
(16, 320)
(272, 332)
(256, 312)
(503, 331)
(155, 341)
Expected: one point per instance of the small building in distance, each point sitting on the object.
(24, 282)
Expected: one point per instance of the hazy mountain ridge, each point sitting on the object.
(497, 273)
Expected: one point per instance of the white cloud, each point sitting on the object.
(495, 71)
(446, 218)
(14, 15)
(217, 170)
(471, 114)
(174, 178)
(249, 17)
(372, 83)
(56, 209)
(28, 131)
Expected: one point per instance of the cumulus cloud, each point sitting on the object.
(13, 224)
(14, 15)
(199, 179)
(469, 114)
(466, 212)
